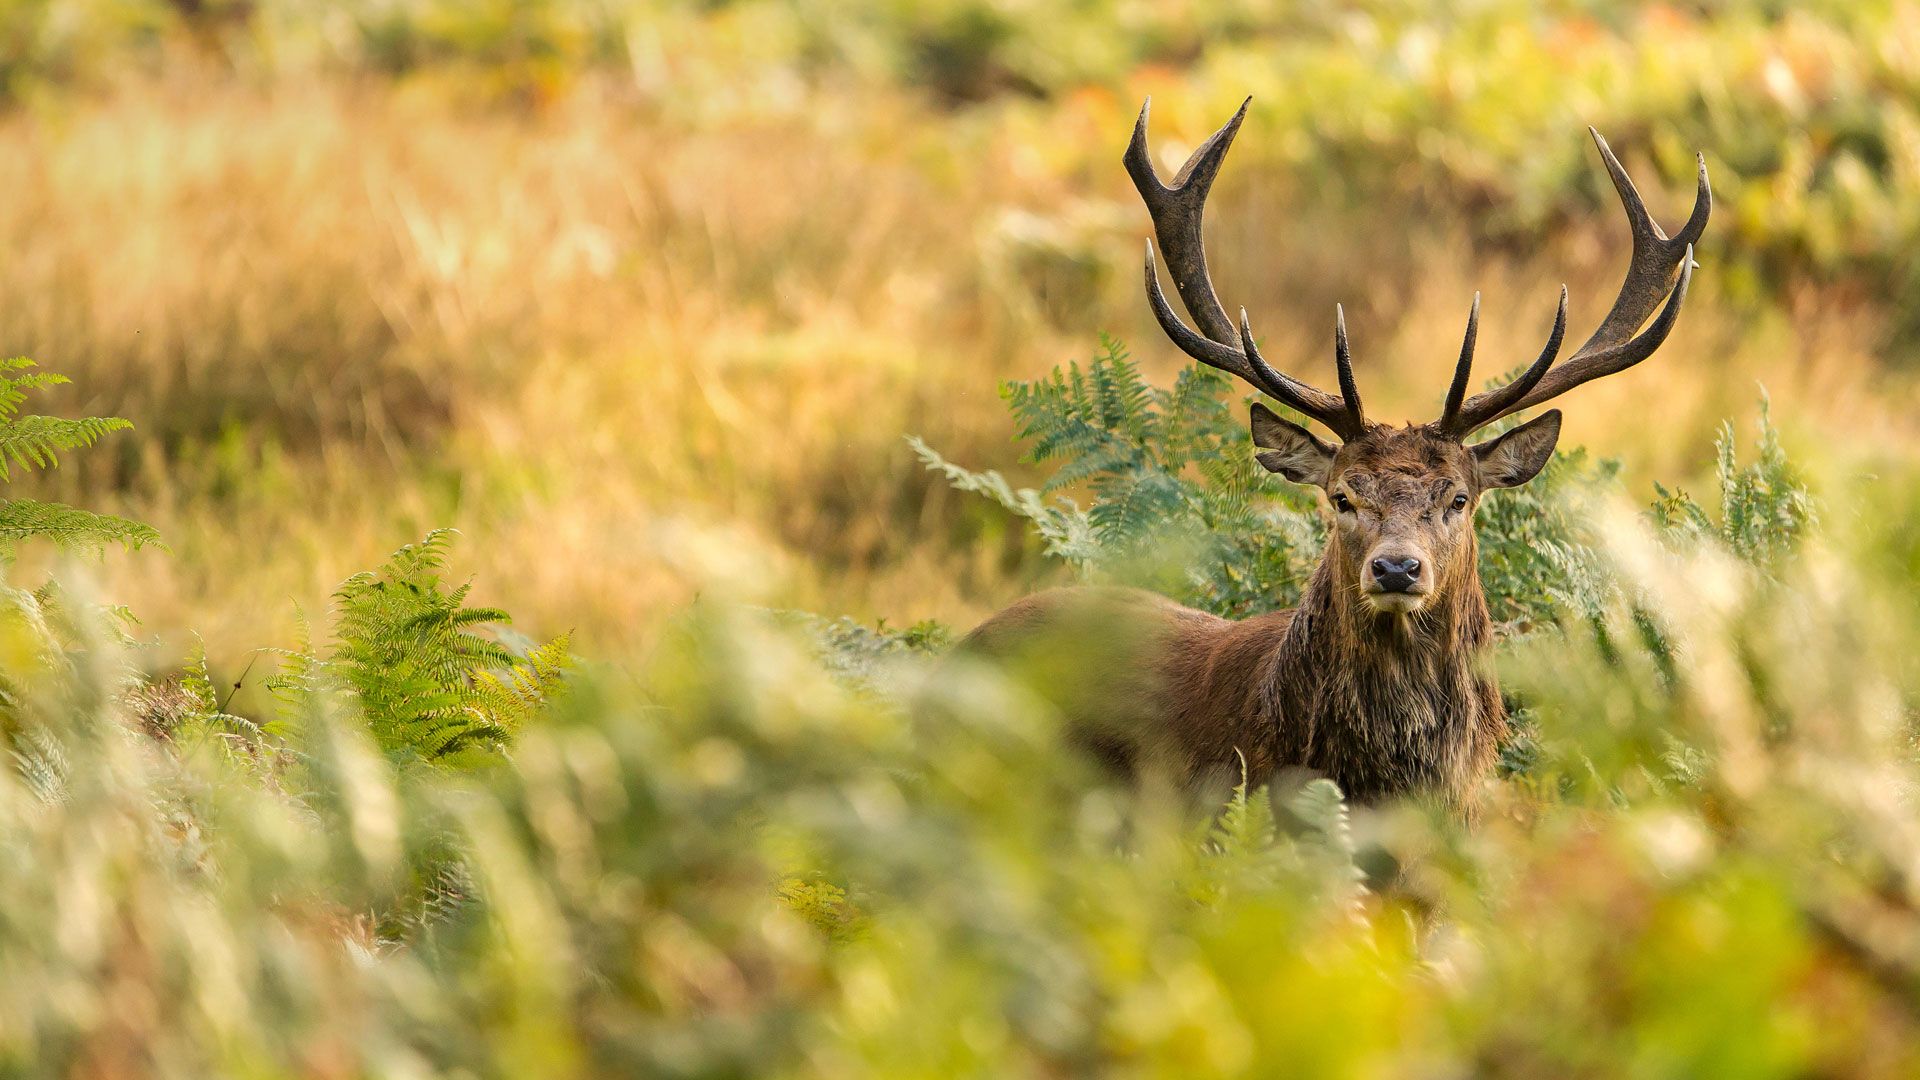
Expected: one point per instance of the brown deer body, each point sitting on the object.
(1378, 679)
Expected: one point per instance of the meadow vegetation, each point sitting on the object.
(691, 318)
(548, 271)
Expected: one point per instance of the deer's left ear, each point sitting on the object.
(1520, 454)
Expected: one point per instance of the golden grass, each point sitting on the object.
(342, 314)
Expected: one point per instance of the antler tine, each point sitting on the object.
(1343, 364)
(1483, 409)
(1246, 362)
(1587, 365)
(1659, 270)
(1176, 210)
(1655, 263)
(1204, 349)
(1463, 371)
(1344, 421)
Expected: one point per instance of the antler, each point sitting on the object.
(1661, 269)
(1176, 211)
(1459, 420)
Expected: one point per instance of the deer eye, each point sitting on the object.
(1460, 501)
(1342, 503)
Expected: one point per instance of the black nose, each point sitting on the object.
(1396, 575)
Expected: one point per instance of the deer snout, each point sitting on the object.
(1395, 574)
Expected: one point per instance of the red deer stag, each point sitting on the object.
(1377, 679)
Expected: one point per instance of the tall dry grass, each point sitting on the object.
(344, 312)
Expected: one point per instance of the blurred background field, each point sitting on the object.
(563, 274)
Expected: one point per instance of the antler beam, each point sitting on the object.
(1660, 269)
(1176, 210)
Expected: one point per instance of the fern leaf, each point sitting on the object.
(36, 442)
(70, 527)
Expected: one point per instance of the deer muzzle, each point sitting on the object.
(1397, 581)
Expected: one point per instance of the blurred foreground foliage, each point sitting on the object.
(745, 858)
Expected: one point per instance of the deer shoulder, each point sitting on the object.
(1143, 682)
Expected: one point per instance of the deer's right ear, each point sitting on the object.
(1291, 450)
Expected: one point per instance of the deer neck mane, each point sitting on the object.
(1384, 702)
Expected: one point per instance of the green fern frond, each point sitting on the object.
(205, 723)
(1246, 828)
(824, 906)
(36, 442)
(14, 387)
(430, 674)
(294, 686)
(1063, 526)
(1178, 502)
(1765, 507)
(41, 762)
(70, 527)
(1327, 843)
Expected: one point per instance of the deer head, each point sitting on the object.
(1403, 497)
